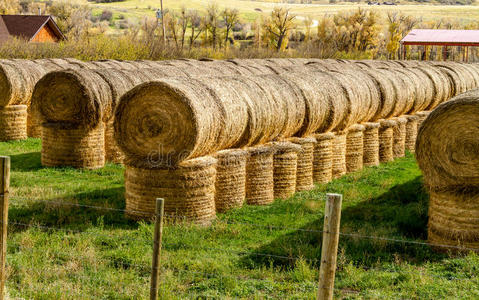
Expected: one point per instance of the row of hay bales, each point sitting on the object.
(448, 155)
(174, 120)
(319, 145)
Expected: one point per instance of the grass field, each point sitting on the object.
(98, 254)
(138, 9)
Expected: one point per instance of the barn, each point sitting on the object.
(33, 28)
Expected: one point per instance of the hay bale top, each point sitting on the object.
(370, 125)
(387, 123)
(400, 120)
(284, 147)
(261, 150)
(423, 113)
(412, 117)
(231, 155)
(197, 163)
(356, 128)
(324, 136)
(302, 141)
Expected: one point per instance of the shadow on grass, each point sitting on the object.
(401, 213)
(54, 214)
(26, 162)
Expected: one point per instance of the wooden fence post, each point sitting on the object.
(329, 252)
(156, 265)
(4, 187)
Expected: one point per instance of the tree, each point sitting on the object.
(279, 26)
(196, 25)
(8, 7)
(231, 19)
(212, 23)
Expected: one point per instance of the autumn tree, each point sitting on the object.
(278, 27)
(230, 19)
(9, 7)
(212, 23)
(196, 26)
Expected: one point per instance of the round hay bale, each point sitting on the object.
(442, 87)
(402, 91)
(399, 137)
(457, 83)
(79, 97)
(387, 95)
(371, 144)
(230, 179)
(354, 109)
(304, 174)
(453, 220)
(315, 101)
(17, 81)
(424, 89)
(113, 153)
(259, 175)
(288, 102)
(74, 147)
(285, 162)
(417, 88)
(164, 122)
(13, 123)
(411, 132)
(421, 115)
(339, 154)
(188, 190)
(447, 144)
(386, 138)
(354, 148)
(323, 158)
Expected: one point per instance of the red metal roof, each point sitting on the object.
(442, 37)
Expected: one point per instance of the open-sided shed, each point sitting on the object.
(443, 38)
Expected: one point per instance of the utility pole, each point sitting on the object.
(163, 23)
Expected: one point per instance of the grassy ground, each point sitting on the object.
(138, 9)
(98, 254)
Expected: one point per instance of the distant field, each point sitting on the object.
(138, 9)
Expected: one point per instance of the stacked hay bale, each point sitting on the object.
(73, 104)
(230, 179)
(411, 132)
(260, 175)
(285, 163)
(188, 190)
(386, 140)
(304, 174)
(447, 153)
(323, 158)
(399, 137)
(17, 80)
(354, 148)
(371, 144)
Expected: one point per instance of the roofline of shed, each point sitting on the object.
(467, 44)
(50, 18)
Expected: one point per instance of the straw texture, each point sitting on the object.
(411, 132)
(13, 123)
(75, 147)
(230, 179)
(339, 154)
(399, 141)
(354, 148)
(285, 169)
(113, 153)
(371, 144)
(323, 158)
(259, 175)
(386, 138)
(422, 115)
(304, 175)
(188, 190)
(453, 219)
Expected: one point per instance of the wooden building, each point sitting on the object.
(32, 28)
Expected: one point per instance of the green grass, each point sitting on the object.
(99, 254)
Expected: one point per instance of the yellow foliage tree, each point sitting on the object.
(9, 7)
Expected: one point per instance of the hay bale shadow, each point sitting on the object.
(77, 217)
(401, 213)
(26, 162)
